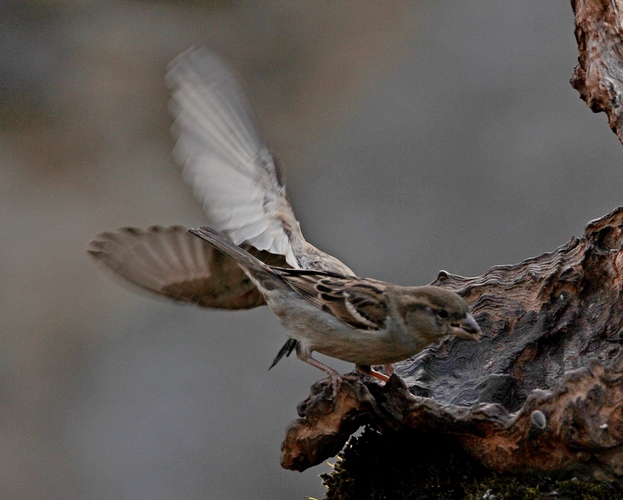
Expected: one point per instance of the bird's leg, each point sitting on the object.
(368, 370)
(305, 355)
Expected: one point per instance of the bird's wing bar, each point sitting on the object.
(360, 303)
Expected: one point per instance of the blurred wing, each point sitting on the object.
(171, 262)
(225, 159)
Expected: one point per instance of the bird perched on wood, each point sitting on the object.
(361, 320)
(317, 297)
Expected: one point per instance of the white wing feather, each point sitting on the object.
(227, 163)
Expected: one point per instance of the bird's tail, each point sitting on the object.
(249, 264)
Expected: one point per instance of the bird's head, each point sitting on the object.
(431, 312)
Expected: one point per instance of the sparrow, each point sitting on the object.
(242, 189)
(359, 320)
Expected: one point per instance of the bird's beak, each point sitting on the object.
(467, 328)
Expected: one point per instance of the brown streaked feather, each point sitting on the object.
(170, 262)
(360, 302)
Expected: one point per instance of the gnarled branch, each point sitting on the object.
(541, 392)
(598, 77)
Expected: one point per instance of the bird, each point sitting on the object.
(241, 188)
(360, 320)
(243, 193)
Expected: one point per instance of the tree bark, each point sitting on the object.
(542, 391)
(599, 75)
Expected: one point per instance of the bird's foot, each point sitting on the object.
(336, 378)
(336, 382)
(368, 370)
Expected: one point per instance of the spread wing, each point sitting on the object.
(225, 160)
(171, 262)
(229, 166)
(360, 303)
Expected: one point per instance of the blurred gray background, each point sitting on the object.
(416, 136)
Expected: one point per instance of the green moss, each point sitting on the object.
(532, 487)
(415, 466)
(375, 466)
(585, 490)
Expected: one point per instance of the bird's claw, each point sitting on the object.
(336, 383)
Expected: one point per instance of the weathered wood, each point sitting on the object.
(541, 392)
(599, 75)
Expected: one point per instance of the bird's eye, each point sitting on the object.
(442, 313)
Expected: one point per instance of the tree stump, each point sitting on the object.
(541, 392)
